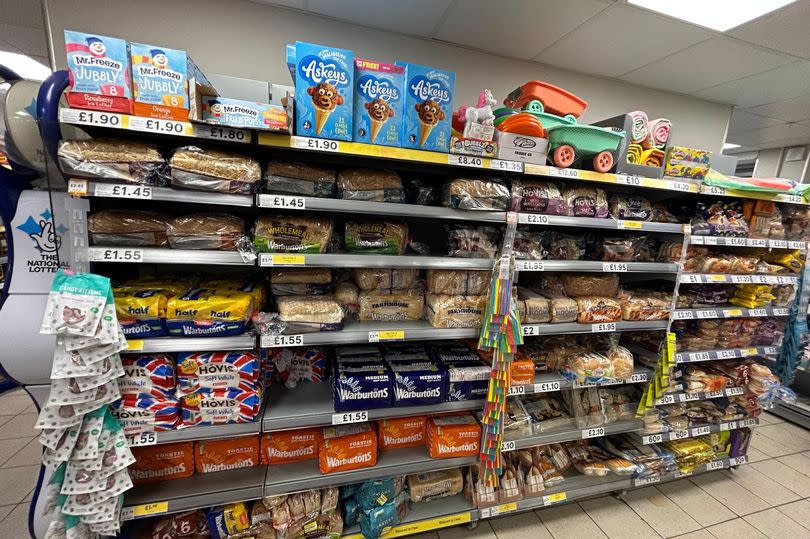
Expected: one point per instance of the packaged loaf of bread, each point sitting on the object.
(445, 311)
(383, 278)
(585, 202)
(457, 282)
(528, 245)
(476, 194)
(535, 196)
(590, 284)
(473, 242)
(630, 208)
(292, 234)
(427, 486)
(347, 294)
(370, 185)
(538, 308)
(305, 314)
(205, 231)
(595, 309)
(300, 276)
(644, 306)
(129, 228)
(114, 160)
(300, 179)
(563, 309)
(213, 170)
(393, 305)
(376, 237)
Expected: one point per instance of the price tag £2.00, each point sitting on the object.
(350, 417)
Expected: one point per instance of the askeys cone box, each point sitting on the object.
(324, 87)
(161, 78)
(378, 102)
(98, 69)
(428, 107)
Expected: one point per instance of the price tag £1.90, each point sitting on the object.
(167, 127)
(350, 417)
(322, 144)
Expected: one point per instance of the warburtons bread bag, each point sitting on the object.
(401, 432)
(347, 447)
(228, 454)
(453, 436)
(162, 462)
(290, 446)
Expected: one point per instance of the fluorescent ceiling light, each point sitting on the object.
(720, 15)
(730, 146)
(24, 66)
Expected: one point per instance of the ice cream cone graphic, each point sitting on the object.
(424, 132)
(430, 114)
(378, 113)
(376, 125)
(321, 115)
(325, 98)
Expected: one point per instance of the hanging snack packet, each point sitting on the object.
(75, 304)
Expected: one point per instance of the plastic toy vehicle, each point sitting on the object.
(568, 144)
(554, 100)
(535, 108)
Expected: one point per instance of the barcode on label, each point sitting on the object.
(545, 387)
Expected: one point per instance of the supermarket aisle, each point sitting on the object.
(768, 498)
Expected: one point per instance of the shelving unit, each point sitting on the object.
(550, 382)
(517, 441)
(279, 260)
(714, 278)
(188, 344)
(728, 353)
(79, 187)
(700, 430)
(151, 255)
(672, 398)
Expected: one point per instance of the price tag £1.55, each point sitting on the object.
(350, 417)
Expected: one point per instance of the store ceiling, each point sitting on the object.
(21, 29)
(761, 67)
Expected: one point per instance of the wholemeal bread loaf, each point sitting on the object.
(117, 160)
(376, 237)
(213, 170)
(128, 228)
(445, 311)
(292, 233)
(205, 231)
(394, 305)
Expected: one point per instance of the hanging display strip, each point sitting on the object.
(604, 327)
(78, 187)
(150, 125)
(729, 353)
(151, 255)
(699, 396)
(728, 312)
(592, 266)
(776, 197)
(276, 260)
(711, 278)
(700, 430)
(747, 242)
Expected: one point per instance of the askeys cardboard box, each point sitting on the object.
(98, 69)
(378, 102)
(161, 79)
(428, 107)
(324, 87)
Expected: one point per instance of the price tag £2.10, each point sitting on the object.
(594, 432)
(350, 417)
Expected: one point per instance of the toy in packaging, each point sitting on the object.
(290, 446)
(238, 113)
(323, 91)
(378, 102)
(347, 447)
(453, 436)
(98, 71)
(204, 312)
(683, 162)
(401, 432)
(229, 454)
(162, 462)
(428, 106)
(473, 128)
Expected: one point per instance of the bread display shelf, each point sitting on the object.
(617, 427)
(530, 330)
(728, 353)
(211, 432)
(191, 344)
(699, 430)
(776, 197)
(698, 396)
(356, 260)
(678, 185)
(549, 382)
(434, 515)
(713, 278)
(728, 312)
(593, 222)
(365, 332)
(151, 255)
(164, 194)
(593, 266)
(746, 242)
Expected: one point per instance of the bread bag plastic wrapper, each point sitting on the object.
(457, 282)
(644, 305)
(205, 231)
(292, 234)
(586, 407)
(383, 278)
(370, 185)
(590, 284)
(488, 194)
(535, 196)
(528, 245)
(129, 228)
(796, 219)
(393, 305)
(305, 314)
(201, 169)
(585, 202)
(560, 246)
(300, 179)
(422, 192)
(428, 486)
(563, 309)
(538, 307)
(300, 276)
(445, 311)
(630, 208)
(595, 309)
(474, 242)
(626, 249)
(112, 160)
(376, 237)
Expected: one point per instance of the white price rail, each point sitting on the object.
(152, 255)
(747, 242)
(701, 430)
(350, 417)
(281, 341)
(702, 395)
(697, 278)
(112, 190)
(285, 202)
(728, 312)
(729, 353)
(575, 327)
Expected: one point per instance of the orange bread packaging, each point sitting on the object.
(401, 432)
(161, 462)
(522, 372)
(453, 436)
(347, 447)
(290, 446)
(228, 454)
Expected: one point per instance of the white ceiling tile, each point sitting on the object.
(784, 30)
(706, 64)
(415, 17)
(516, 28)
(22, 13)
(28, 40)
(745, 121)
(785, 82)
(790, 110)
(635, 38)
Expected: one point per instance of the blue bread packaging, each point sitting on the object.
(378, 102)
(419, 384)
(324, 80)
(428, 107)
(467, 380)
(362, 387)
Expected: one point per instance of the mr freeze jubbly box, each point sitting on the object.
(378, 102)
(324, 78)
(98, 72)
(428, 107)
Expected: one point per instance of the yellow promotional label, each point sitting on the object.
(733, 312)
(155, 508)
(717, 278)
(421, 526)
(555, 498)
(750, 351)
(630, 224)
(392, 334)
(289, 260)
(135, 345)
(77, 188)
(670, 348)
(507, 507)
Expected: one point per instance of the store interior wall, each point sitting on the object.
(773, 162)
(768, 162)
(246, 39)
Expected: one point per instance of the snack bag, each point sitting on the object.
(453, 436)
(159, 463)
(99, 72)
(347, 447)
(378, 102)
(428, 107)
(229, 454)
(141, 313)
(227, 520)
(401, 432)
(290, 446)
(324, 79)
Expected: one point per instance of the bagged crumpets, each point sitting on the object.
(453, 436)
(162, 462)
(347, 447)
(229, 454)
(401, 432)
(290, 446)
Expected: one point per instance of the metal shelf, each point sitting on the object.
(674, 184)
(728, 353)
(592, 222)
(728, 312)
(617, 427)
(697, 278)
(192, 344)
(152, 255)
(306, 475)
(312, 405)
(358, 260)
(364, 332)
(746, 242)
(672, 398)
(426, 516)
(165, 194)
(776, 197)
(550, 382)
(592, 266)
(700, 430)
(211, 432)
(3, 260)
(530, 330)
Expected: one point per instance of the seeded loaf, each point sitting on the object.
(370, 185)
(300, 179)
(103, 159)
(457, 282)
(381, 278)
(476, 194)
(213, 170)
(128, 228)
(205, 231)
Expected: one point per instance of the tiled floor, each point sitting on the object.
(769, 498)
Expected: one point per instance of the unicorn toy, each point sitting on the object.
(479, 120)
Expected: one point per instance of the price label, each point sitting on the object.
(503, 508)
(595, 432)
(726, 354)
(714, 465)
(690, 278)
(465, 160)
(738, 242)
(350, 417)
(641, 481)
(282, 341)
(533, 218)
(123, 191)
(628, 224)
(531, 265)
(77, 188)
(731, 391)
(221, 133)
(758, 243)
(652, 439)
(386, 335)
(614, 267)
(793, 199)
(144, 510)
(684, 315)
(770, 349)
(776, 312)
(748, 422)
(667, 399)
(115, 255)
(736, 461)
(745, 279)
(718, 278)
(628, 179)
(529, 331)
(274, 259)
(638, 377)
(701, 431)
(746, 352)
(689, 397)
(779, 244)
(678, 434)
(86, 117)
(714, 190)
(508, 166)
(135, 345)
(707, 314)
(546, 387)
(508, 446)
(516, 390)
(144, 438)
(563, 172)
(759, 312)
(759, 279)
(699, 356)
(682, 186)
(153, 125)
(283, 201)
(714, 394)
(710, 240)
(554, 498)
(797, 245)
(730, 425)
(603, 327)
(322, 144)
